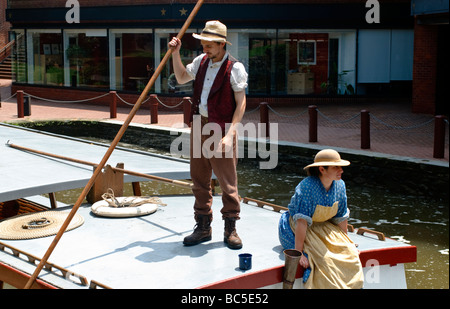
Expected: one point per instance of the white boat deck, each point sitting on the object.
(25, 174)
(147, 252)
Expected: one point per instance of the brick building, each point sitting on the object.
(431, 66)
(4, 25)
(294, 51)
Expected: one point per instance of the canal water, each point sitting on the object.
(413, 219)
(412, 211)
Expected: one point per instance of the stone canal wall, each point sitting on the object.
(406, 175)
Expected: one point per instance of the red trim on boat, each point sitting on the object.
(253, 280)
(266, 277)
(390, 256)
(19, 279)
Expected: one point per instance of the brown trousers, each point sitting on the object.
(224, 167)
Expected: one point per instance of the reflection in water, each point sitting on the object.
(416, 220)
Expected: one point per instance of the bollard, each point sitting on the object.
(187, 111)
(312, 110)
(113, 105)
(365, 129)
(26, 106)
(153, 108)
(264, 115)
(439, 137)
(20, 113)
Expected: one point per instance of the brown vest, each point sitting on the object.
(221, 102)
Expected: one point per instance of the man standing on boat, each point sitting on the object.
(219, 98)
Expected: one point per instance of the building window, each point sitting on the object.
(264, 58)
(318, 60)
(45, 57)
(86, 55)
(125, 59)
(306, 52)
(132, 59)
(190, 48)
(18, 57)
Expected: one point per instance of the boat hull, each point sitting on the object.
(147, 253)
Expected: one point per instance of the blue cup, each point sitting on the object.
(245, 261)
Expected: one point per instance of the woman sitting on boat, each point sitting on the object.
(316, 224)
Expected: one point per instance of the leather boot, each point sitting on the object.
(202, 231)
(231, 238)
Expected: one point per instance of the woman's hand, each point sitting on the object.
(303, 262)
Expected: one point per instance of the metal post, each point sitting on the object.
(439, 137)
(312, 110)
(365, 129)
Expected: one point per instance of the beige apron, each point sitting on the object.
(332, 255)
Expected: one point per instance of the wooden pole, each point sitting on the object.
(439, 137)
(116, 169)
(264, 116)
(113, 104)
(111, 148)
(20, 103)
(187, 111)
(365, 129)
(312, 111)
(153, 108)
